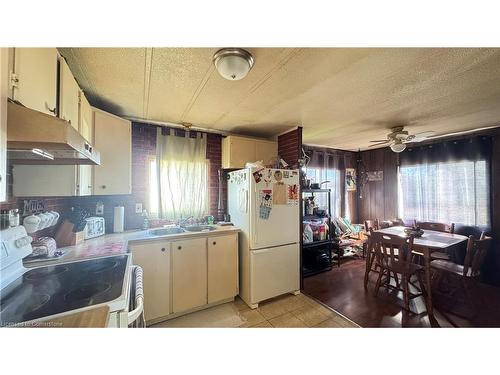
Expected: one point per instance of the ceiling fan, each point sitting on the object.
(398, 137)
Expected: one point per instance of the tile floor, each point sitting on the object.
(287, 311)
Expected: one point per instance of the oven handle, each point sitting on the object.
(139, 296)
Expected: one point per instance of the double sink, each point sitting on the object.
(176, 230)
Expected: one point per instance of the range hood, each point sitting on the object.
(34, 137)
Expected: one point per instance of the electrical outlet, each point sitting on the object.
(138, 208)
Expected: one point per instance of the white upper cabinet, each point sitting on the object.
(35, 78)
(85, 114)
(4, 72)
(113, 139)
(237, 151)
(44, 180)
(69, 95)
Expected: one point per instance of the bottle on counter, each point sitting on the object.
(145, 222)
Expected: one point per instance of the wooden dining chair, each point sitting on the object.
(384, 246)
(462, 274)
(438, 227)
(370, 226)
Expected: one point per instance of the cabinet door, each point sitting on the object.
(44, 180)
(84, 186)
(266, 151)
(36, 70)
(4, 72)
(242, 150)
(189, 274)
(154, 258)
(112, 137)
(222, 267)
(85, 123)
(69, 95)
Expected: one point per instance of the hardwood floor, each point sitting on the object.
(342, 289)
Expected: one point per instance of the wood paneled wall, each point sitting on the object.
(379, 199)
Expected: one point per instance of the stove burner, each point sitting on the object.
(100, 266)
(40, 273)
(32, 303)
(86, 292)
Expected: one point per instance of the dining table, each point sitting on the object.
(429, 242)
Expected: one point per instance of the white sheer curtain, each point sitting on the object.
(451, 192)
(326, 167)
(182, 176)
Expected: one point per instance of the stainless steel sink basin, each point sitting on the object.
(166, 231)
(200, 228)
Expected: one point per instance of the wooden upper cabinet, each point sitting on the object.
(4, 72)
(113, 139)
(69, 95)
(85, 114)
(237, 151)
(266, 151)
(35, 78)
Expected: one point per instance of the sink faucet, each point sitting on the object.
(182, 222)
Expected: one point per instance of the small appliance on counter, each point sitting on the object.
(95, 227)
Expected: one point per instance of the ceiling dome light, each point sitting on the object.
(233, 63)
(398, 146)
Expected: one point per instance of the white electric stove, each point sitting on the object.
(28, 297)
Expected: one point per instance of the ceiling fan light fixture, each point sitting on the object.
(233, 63)
(398, 146)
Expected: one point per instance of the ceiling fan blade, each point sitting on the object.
(419, 137)
(379, 144)
(382, 140)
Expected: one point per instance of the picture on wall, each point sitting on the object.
(350, 179)
(375, 175)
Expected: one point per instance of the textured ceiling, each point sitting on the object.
(343, 97)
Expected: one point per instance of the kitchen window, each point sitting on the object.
(178, 177)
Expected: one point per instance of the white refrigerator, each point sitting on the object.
(264, 204)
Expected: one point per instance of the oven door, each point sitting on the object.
(136, 305)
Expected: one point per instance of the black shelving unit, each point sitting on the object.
(318, 255)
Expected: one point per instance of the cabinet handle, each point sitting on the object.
(162, 249)
(50, 110)
(103, 186)
(214, 243)
(179, 247)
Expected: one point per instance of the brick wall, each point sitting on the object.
(143, 148)
(290, 146)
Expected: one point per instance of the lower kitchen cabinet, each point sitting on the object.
(189, 274)
(181, 276)
(222, 267)
(155, 260)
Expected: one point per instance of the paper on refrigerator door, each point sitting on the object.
(293, 194)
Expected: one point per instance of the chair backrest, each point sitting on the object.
(371, 224)
(387, 246)
(397, 222)
(439, 227)
(475, 255)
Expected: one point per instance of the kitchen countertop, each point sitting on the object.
(117, 243)
(91, 318)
